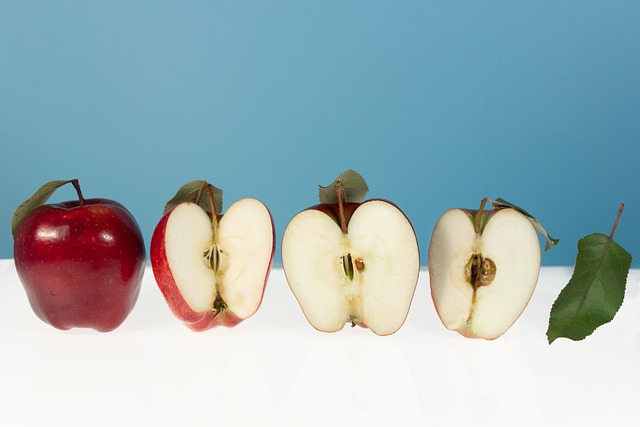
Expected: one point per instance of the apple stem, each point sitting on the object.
(479, 215)
(214, 214)
(76, 185)
(343, 220)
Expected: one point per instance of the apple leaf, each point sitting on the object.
(39, 198)
(501, 203)
(595, 291)
(197, 192)
(351, 183)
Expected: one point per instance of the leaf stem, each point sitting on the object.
(615, 224)
(204, 183)
(76, 185)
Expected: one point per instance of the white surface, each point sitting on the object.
(275, 369)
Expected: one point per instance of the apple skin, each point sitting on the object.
(81, 266)
(333, 210)
(196, 321)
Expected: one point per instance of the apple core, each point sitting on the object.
(212, 261)
(480, 271)
(211, 258)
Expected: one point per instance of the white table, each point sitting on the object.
(275, 369)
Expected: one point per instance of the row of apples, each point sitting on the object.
(347, 260)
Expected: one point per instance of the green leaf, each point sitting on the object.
(197, 192)
(551, 242)
(39, 198)
(595, 291)
(351, 182)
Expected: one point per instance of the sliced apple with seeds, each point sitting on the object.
(483, 267)
(212, 269)
(349, 261)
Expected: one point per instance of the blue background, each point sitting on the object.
(436, 103)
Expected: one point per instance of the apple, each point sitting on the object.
(81, 262)
(351, 261)
(483, 268)
(212, 269)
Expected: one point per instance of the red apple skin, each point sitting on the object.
(81, 266)
(196, 321)
(333, 210)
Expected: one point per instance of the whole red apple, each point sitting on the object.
(81, 262)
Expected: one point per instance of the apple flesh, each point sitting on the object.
(211, 278)
(366, 277)
(482, 281)
(81, 263)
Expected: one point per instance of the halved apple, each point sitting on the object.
(212, 269)
(483, 269)
(352, 263)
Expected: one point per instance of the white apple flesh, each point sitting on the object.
(366, 277)
(209, 277)
(482, 282)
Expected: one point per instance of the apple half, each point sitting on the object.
(213, 273)
(483, 269)
(354, 263)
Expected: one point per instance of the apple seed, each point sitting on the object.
(211, 258)
(347, 265)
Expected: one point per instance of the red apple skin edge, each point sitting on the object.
(333, 210)
(196, 321)
(81, 266)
